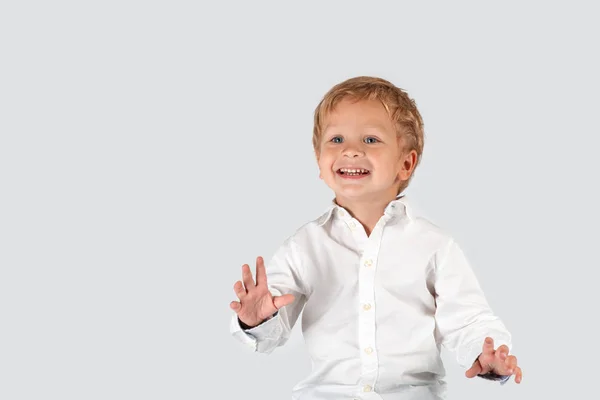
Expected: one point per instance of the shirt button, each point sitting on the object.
(367, 388)
(369, 262)
(352, 224)
(367, 307)
(368, 350)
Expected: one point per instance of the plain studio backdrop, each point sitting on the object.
(149, 149)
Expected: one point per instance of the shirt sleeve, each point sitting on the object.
(463, 316)
(285, 275)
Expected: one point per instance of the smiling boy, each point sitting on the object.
(381, 288)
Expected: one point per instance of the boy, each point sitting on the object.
(381, 288)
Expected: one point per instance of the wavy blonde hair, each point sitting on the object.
(400, 107)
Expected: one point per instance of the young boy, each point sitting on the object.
(381, 288)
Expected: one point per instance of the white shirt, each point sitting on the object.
(377, 308)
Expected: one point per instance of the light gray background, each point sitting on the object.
(149, 149)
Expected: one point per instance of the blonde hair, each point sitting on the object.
(400, 107)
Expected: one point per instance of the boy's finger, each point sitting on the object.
(488, 346)
(519, 375)
(282, 301)
(261, 273)
(474, 370)
(502, 352)
(239, 290)
(235, 305)
(511, 364)
(247, 277)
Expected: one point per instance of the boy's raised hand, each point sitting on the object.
(496, 361)
(256, 301)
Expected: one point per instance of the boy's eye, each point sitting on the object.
(337, 139)
(371, 139)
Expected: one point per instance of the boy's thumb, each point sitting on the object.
(282, 301)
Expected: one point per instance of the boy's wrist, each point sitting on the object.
(245, 326)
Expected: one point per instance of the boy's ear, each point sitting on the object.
(409, 161)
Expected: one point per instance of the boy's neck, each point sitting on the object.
(367, 212)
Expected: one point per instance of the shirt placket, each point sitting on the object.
(367, 308)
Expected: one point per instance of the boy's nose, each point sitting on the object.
(353, 151)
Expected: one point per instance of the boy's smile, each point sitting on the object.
(353, 172)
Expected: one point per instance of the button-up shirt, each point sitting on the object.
(376, 308)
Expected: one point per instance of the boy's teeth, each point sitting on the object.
(353, 170)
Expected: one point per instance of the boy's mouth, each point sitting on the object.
(353, 172)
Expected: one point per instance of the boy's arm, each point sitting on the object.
(285, 275)
(463, 316)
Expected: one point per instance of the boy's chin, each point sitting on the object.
(354, 193)
(361, 193)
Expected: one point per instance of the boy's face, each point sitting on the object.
(360, 155)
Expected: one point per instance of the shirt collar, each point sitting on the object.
(399, 206)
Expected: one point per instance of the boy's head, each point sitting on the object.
(368, 138)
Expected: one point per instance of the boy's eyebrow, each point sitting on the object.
(368, 126)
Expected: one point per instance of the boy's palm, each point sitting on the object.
(256, 303)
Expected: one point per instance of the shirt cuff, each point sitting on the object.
(491, 376)
(266, 330)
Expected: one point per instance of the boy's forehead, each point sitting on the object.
(365, 121)
(366, 113)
